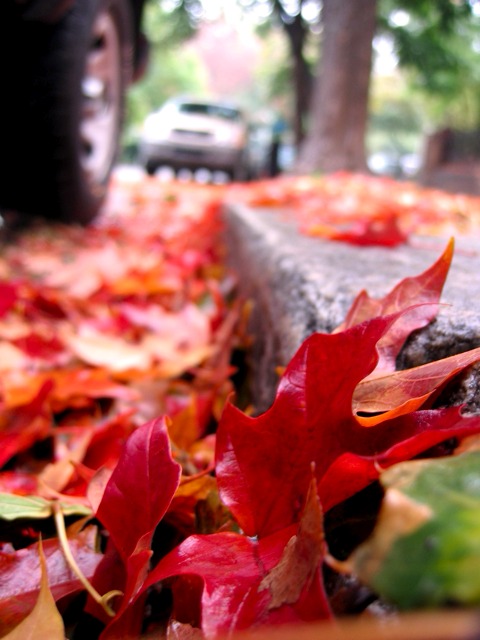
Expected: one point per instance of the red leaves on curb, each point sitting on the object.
(264, 464)
(363, 210)
(222, 516)
(416, 298)
(311, 421)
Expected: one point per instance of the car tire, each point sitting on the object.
(63, 114)
(150, 167)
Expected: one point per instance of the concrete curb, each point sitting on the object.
(301, 285)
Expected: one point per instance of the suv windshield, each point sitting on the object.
(214, 110)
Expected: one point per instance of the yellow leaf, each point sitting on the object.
(44, 621)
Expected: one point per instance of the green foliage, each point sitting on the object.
(437, 44)
(170, 72)
(273, 73)
(396, 122)
(425, 550)
(167, 27)
(14, 507)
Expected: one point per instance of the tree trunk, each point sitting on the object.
(336, 136)
(297, 35)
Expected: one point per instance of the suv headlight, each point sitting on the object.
(233, 137)
(155, 129)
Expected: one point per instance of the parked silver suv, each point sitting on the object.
(196, 134)
(64, 69)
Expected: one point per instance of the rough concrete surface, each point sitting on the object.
(300, 285)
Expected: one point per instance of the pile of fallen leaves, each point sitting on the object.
(101, 330)
(138, 500)
(364, 209)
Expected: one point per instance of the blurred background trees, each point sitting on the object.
(425, 69)
(337, 119)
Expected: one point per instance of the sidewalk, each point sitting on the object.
(301, 285)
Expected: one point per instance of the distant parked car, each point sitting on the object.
(64, 69)
(196, 134)
(394, 163)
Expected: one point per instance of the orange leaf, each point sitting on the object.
(401, 392)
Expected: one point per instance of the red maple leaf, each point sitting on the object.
(263, 463)
(8, 297)
(420, 294)
(135, 499)
(247, 582)
(382, 230)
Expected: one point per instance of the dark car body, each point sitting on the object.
(51, 11)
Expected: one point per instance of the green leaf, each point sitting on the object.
(13, 507)
(425, 549)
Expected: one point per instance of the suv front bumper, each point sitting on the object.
(176, 156)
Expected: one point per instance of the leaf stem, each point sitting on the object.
(72, 563)
(187, 479)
